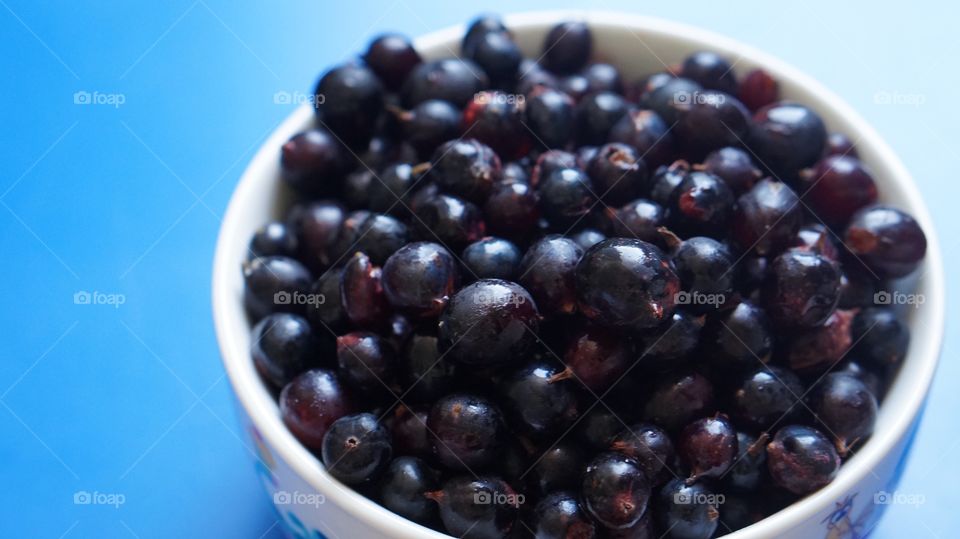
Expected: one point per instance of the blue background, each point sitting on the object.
(127, 200)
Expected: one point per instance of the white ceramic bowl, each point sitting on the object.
(312, 504)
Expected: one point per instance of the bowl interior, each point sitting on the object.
(639, 46)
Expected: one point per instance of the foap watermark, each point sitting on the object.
(498, 98)
(83, 497)
(884, 297)
(83, 97)
(298, 298)
(698, 98)
(699, 298)
(884, 97)
(698, 498)
(83, 297)
(283, 97)
(485, 497)
(489, 298)
(312, 499)
(896, 497)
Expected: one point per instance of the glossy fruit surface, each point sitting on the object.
(802, 289)
(648, 134)
(846, 408)
(768, 396)
(559, 516)
(453, 80)
(836, 187)
(618, 173)
(403, 486)
(367, 362)
(596, 357)
(701, 205)
(463, 516)
(492, 258)
(567, 47)
(615, 491)
(283, 346)
(626, 283)
(312, 161)
(311, 402)
(356, 449)
(419, 278)
(351, 104)
(708, 446)
(880, 337)
(391, 57)
(887, 240)
(547, 272)
(787, 137)
(801, 459)
(689, 511)
(467, 430)
(271, 283)
(649, 446)
(767, 218)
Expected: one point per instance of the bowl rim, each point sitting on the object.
(231, 322)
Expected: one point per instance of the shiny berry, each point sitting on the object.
(615, 490)
(466, 168)
(649, 446)
(558, 468)
(739, 338)
(815, 350)
(595, 116)
(430, 124)
(846, 408)
(705, 268)
(311, 402)
(550, 161)
(478, 28)
(596, 358)
(273, 239)
(272, 283)
(758, 89)
(640, 219)
(801, 459)
(391, 57)
(356, 449)
(410, 434)
(312, 162)
(403, 486)
(547, 272)
(836, 187)
(566, 196)
(317, 225)
(283, 346)
(880, 337)
(647, 133)
(766, 397)
(588, 237)
(887, 240)
(326, 312)
(538, 404)
(451, 221)
(352, 101)
(688, 511)
(489, 322)
(567, 47)
(734, 166)
(492, 517)
(468, 431)
(677, 399)
(626, 283)
(672, 343)
(367, 361)
(708, 446)
(710, 70)
(767, 218)
(498, 55)
(550, 116)
(376, 235)
(672, 99)
(840, 144)
(419, 278)
(802, 289)
(787, 137)
(453, 80)
(712, 121)
(748, 471)
(701, 205)
(361, 292)
(665, 181)
(559, 516)
(492, 258)
(496, 119)
(617, 173)
(511, 210)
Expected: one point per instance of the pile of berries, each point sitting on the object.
(526, 297)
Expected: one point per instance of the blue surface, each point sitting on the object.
(131, 401)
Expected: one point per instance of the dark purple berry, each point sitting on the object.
(466, 168)
(787, 137)
(482, 507)
(566, 196)
(403, 486)
(648, 134)
(311, 403)
(468, 431)
(489, 322)
(602, 77)
(356, 449)
(550, 117)
(748, 471)
(361, 292)
(312, 162)
(739, 338)
(392, 57)
(840, 144)
(451, 221)
(626, 283)
(349, 103)
(672, 343)
(496, 119)
(430, 124)
(478, 28)
(559, 516)
(767, 396)
(758, 89)
(597, 358)
(712, 121)
(559, 468)
(665, 181)
(836, 187)
(595, 116)
(547, 272)
(326, 311)
(317, 225)
(419, 278)
(880, 337)
(492, 258)
(734, 166)
(272, 284)
(511, 210)
(587, 238)
(677, 399)
(846, 408)
(705, 268)
(283, 346)
(801, 459)
(273, 239)
(617, 173)
(498, 55)
(538, 404)
(767, 218)
(708, 446)
(410, 434)
(567, 47)
(815, 350)
(615, 490)
(366, 361)
(710, 70)
(453, 80)
(650, 446)
(688, 511)
(887, 240)
(702, 205)
(802, 289)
